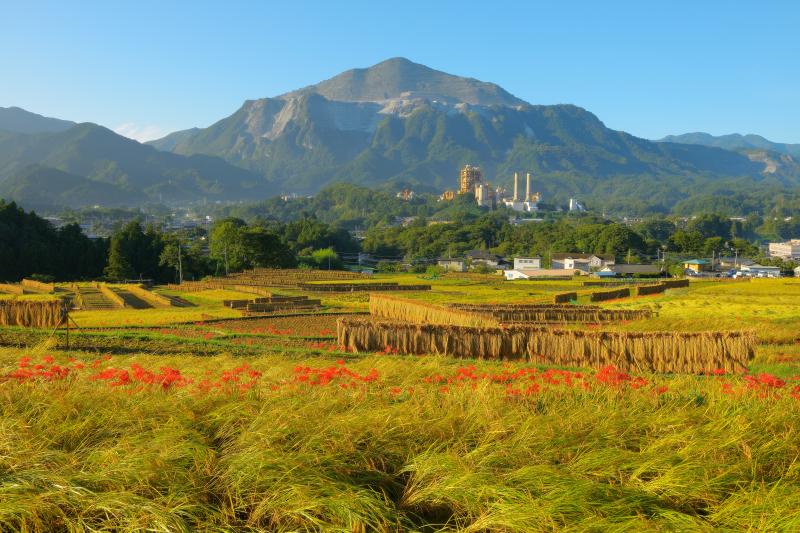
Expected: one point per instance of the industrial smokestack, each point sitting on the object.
(527, 186)
(516, 187)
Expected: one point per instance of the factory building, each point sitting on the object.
(471, 182)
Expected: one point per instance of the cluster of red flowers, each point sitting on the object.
(45, 370)
(165, 378)
(515, 381)
(327, 332)
(242, 378)
(763, 385)
(338, 374)
(528, 381)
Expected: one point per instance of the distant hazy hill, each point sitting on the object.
(735, 141)
(39, 187)
(18, 120)
(122, 170)
(400, 123)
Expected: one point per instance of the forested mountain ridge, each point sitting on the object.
(18, 120)
(122, 171)
(401, 124)
(735, 141)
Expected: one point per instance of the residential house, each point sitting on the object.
(797, 272)
(538, 273)
(733, 262)
(586, 262)
(482, 257)
(697, 265)
(527, 263)
(453, 265)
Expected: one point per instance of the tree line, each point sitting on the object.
(29, 245)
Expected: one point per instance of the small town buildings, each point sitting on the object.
(697, 265)
(761, 271)
(797, 272)
(733, 262)
(527, 263)
(585, 262)
(453, 265)
(535, 273)
(789, 250)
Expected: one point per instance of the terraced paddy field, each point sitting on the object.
(196, 419)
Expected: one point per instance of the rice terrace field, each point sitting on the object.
(472, 404)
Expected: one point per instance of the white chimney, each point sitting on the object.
(516, 187)
(527, 186)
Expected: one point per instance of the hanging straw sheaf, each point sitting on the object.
(417, 312)
(645, 290)
(694, 352)
(32, 314)
(601, 296)
(550, 313)
(564, 297)
(38, 286)
(676, 283)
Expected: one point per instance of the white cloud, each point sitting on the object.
(140, 133)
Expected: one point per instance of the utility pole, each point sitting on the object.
(180, 265)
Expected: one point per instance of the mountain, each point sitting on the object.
(735, 141)
(67, 164)
(399, 78)
(399, 124)
(18, 120)
(44, 188)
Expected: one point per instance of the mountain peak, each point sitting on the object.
(399, 78)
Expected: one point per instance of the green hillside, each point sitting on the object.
(132, 172)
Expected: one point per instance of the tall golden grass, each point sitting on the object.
(693, 352)
(418, 312)
(32, 314)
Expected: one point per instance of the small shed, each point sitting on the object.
(697, 265)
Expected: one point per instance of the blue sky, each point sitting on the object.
(650, 68)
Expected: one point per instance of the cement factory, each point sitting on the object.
(471, 182)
